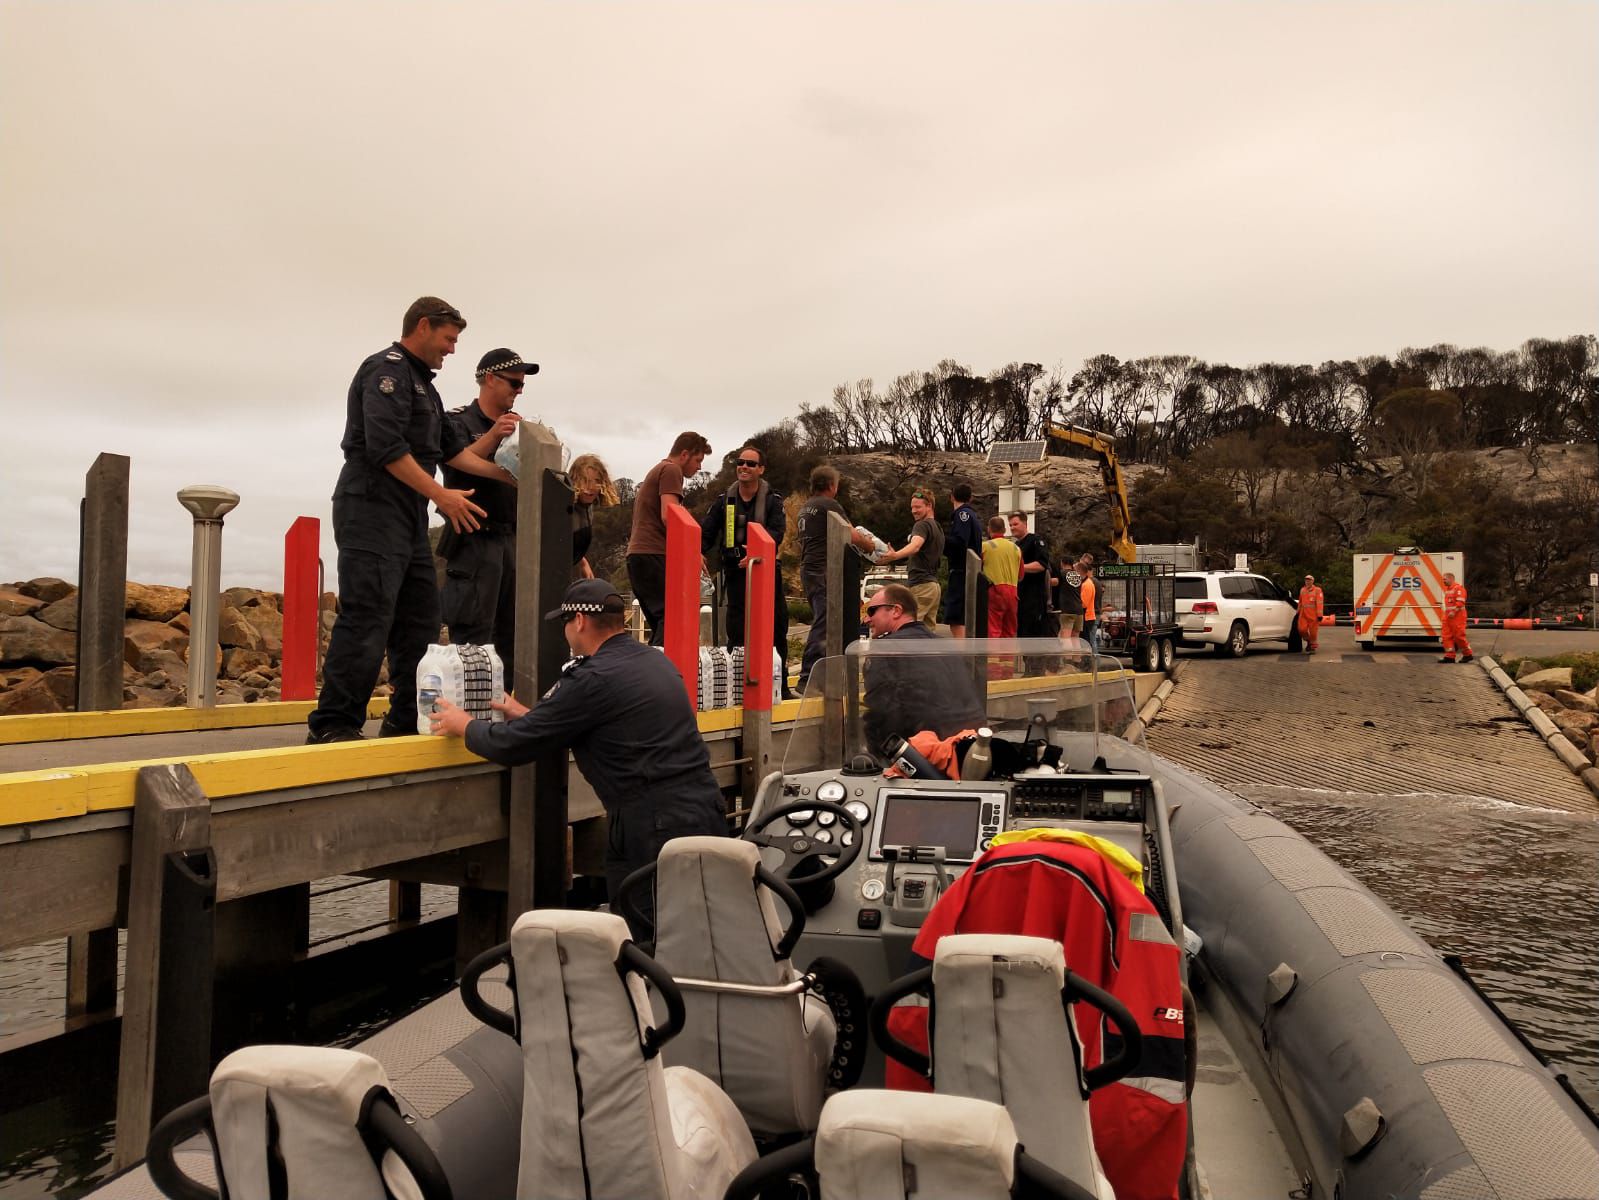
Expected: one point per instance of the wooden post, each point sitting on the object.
(760, 592)
(92, 972)
(302, 578)
(479, 923)
(843, 617)
(166, 1013)
(405, 901)
(683, 561)
(537, 792)
(102, 583)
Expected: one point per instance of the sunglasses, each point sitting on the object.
(747, 462)
(918, 495)
(872, 608)
(445, 314)
(516, 384)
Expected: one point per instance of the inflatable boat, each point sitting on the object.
(975, 940)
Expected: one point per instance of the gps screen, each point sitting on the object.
(920, 821)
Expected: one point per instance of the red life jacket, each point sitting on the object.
(1114, 938)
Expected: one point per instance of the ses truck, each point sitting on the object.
(1399, 596)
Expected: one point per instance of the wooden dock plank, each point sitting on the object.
(127, 722)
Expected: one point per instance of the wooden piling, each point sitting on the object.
(164, 1059)
(102, 583)
(537, 791)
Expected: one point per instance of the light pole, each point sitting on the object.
(208, 504)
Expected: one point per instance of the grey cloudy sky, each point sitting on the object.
(701, 216)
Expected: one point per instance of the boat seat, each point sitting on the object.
(775, 1050)
(1002, 1031)
(602, 1116)
(298, 1122)
(886, 1145)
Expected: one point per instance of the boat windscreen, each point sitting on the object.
(1029, 692)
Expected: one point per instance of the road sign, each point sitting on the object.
(1240, 562)
(1593, 580)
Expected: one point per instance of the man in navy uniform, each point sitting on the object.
(623, 710)
(479, 596)
(965, 533)
(724, 537)
(395, 436)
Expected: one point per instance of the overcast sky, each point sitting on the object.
(702, 216)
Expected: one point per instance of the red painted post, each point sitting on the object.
(761, 593)
(682, 638)
(302, 547)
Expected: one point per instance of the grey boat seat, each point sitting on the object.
(1001, 1031)
(297, 1122)
(889, 1145)
(602, 1116)
(762, 1030)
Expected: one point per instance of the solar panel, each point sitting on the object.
(1016, 452)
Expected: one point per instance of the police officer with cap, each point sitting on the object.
(622, 709)
(479, 596)
(395, 436)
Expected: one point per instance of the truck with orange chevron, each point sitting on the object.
(1399, 596)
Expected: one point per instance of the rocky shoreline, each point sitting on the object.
(38, 645)
(1575, 714)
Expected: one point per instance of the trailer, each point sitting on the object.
(1137, 606)
(1399, 596)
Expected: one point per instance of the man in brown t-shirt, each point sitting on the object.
(646, 548)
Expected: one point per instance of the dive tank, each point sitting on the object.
(979, 760)
(469, 677)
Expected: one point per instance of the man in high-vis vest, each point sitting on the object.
(1454, 629)
(1310, 609)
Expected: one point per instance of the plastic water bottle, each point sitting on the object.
(469, 677)
(979, 760)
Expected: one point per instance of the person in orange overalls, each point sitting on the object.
(1311, 604)
(1454, 629)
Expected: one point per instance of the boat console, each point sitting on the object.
(870, 852)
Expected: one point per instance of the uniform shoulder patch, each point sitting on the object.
(394, 356)
(554, 687)
(420, 390)
(386, 385)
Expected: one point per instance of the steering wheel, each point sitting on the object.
(799, 848)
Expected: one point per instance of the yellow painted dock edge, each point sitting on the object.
(49, 795)
(61, 727)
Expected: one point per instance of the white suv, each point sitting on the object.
(1229, 609)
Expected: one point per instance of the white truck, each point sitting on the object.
(1399, 596)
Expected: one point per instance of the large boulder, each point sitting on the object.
(25, 640)
(181, 621)
(1576, 732)
(139, 696)
(236, 664)
(141, 638)
(48, 588)
(240, 597)
(1546, 680)
(268, 625)
(1579, 701)
(170, 663)
(235, 629)
(156, 602)
(63, 614)
(50, 692)
(17, 604)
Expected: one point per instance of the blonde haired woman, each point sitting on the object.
(591, 484)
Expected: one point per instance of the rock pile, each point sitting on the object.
(38, 645)
(1575, 714)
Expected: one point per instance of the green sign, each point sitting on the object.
(1127, 570)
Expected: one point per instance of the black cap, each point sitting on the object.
(504, 360)
(589, 596)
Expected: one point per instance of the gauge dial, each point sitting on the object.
(847, 837)
(823, 817)
(823, 835)
(859, 811)
(802, 817)
(832, 791)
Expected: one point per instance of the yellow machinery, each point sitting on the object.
(1110, 475)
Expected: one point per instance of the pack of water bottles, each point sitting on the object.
(722, 677)
(469, 677)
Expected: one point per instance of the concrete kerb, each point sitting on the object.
(1574, 759)
(1153, 705)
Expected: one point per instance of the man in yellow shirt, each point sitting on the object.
(1002, 566)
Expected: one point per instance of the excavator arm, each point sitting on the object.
(1110, 477)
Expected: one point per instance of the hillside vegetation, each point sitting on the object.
(1491, 453)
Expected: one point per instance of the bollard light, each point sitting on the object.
(208, 504)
